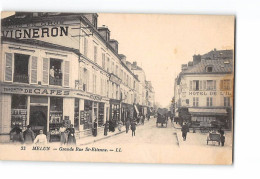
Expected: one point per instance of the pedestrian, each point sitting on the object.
(28, 135)
(95, 128)
(106, 127)
(171, 118)
(133, 128)
(222, 137)
(185, 130)
(41, 139)
(71, 135)
(143, 118)
(127, 125)
(119, 126)
(16, 135)
(63, 135)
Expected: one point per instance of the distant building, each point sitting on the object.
(204, 89)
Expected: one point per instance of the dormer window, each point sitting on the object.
(209, 69)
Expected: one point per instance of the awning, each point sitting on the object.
(136, 109)
(205, 111)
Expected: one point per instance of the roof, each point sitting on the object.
(40, 44)
(218, 66)
(207, 111)
(218, 54)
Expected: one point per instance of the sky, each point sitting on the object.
(161, 43)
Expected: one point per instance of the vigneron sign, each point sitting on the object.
(36, 30)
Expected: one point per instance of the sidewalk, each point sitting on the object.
(200, 139)
(91, 139)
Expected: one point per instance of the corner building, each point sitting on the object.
(204, 90)
(61, 68)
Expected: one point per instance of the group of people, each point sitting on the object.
(67, 136)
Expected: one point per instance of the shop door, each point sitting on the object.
(38, 118)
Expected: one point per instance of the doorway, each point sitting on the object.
(38, 118)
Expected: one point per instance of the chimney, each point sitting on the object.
(104, 32)
(135, 64)
(184, 67)
(190, 64)
(114, 45)
(93, 18)
(123, 58)
(129, 65)
(196, 59)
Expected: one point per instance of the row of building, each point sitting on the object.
(60, 68)
(203, 93)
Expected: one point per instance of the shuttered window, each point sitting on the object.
(8, 67)
(34, 70)
(67, 73)
(45, 71)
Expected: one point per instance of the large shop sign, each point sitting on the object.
(36, 30)
(115, 79)
(35, 91)
(210, 93)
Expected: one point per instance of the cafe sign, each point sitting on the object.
(35, 91)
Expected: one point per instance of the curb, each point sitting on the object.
(91, 142)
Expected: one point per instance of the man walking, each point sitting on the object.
(184, 130)
(133, 128)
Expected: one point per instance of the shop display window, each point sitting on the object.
(21, 72)
(55, 72)
(87, 119)
(19, 111)
(101, 114)
(56, 115)
(76, 114)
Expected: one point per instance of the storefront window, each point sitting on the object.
(21, 68)
(88, 115)
(101, 114)
(19, 111)
(55, 72)
(76, 114)
(56, 114)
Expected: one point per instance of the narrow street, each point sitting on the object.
(145, 134)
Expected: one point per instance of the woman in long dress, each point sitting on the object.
(63, 135)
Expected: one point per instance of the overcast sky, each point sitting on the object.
(161, 43)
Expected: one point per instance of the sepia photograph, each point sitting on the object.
(117, 87)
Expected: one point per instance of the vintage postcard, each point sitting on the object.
(127, 88)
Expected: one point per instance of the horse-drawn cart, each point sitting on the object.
(162, 117)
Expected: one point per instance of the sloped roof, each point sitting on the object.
(218, 66)
(218, 54)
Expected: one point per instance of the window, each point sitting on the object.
(209, 101)
(112, 68)
(95, 54)
(55, 76)
(187, 101)
(195, 85)
(21, 63)
(195, 101)
(85, 80)
(94, 83)
(209, 69)
(85, 46)
(225, 84)
(227, 101)
(103, 60)
(211, 84)
(76, 114)
(108, 63)
(116, 70)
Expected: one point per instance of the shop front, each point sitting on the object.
(211, 118)
(114, 110)
(127, 111)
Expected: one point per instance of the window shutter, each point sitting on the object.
(204, 85)
(214, 84)
(221, 84)
(200, 85)
(8, 67)
(67, 73)
(34, 70)
(190, 85)
(45, 71)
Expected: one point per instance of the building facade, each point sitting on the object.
(60, 69)
(204, 90)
